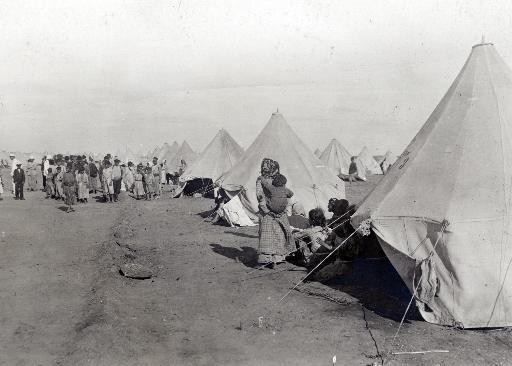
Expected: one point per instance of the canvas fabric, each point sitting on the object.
(458, 168)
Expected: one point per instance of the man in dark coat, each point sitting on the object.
(19, 180)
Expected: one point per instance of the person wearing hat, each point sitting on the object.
(31, 175)
(45, 166)
(18, 177)
(13, 163)
(117, 177)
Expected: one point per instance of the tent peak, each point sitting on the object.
(483, 44)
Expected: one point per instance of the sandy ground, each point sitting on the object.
(64, 301)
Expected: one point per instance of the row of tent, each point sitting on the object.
(443, 211)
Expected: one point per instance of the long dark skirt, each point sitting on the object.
(275, 239)
(70, 195)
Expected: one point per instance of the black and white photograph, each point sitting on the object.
(240, 182)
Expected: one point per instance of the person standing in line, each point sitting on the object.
(148, 179)
(117, 177)
(106, 176)
(31, 174)
(19, 180)
(69, 187)
(94, 179)
(163, 173)
(156, 170)
(82, 181)
(128, 178)
(50, 187)
(13, 164)
(44, 167)
(57, 179)
(138, 189)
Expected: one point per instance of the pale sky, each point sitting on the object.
(98, 75)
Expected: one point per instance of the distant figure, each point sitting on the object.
(57, 180)
(82, 180)
(31, 174)
(128, 177)
(44, 169)
(156, 170)
(108, 185)
(138, 188)
(19, 180)
(149, 184)
(50, 186)
(117, 177)
(69, 187)
(13, 164)
(352, 170)
(1, 188)
(94, 176)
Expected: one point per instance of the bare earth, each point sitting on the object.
(64, 302)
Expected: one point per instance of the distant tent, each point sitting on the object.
(442, 213)
(219, 156)
(336, 157)
(367, 160)
(317, 153)
(167, 151)
(388, 160)
(311, 181)
(185, 153)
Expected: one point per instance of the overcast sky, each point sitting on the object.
(97, 75)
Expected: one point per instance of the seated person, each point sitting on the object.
(298, 219)
(313, 239)
(278, 194)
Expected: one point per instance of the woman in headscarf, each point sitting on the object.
(69, 187)
(274, 233)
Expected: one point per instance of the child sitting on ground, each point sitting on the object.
(313, 239)
(278, 194)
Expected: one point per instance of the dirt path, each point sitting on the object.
(64, 301)
(48, 264)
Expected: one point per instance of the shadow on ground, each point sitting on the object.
(242, 235)
(246, 255)
(377, 285)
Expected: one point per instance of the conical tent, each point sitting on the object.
(371, 166)
(311, 181)
(458, 168)
(218, 157)
(317, 153)
(388, 160)
(185, 153)
(336, 157)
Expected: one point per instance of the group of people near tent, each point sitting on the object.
(72, 178)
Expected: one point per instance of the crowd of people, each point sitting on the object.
(72, 178)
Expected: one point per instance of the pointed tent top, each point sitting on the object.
(483, 42)
(217, 158)
(313, 183)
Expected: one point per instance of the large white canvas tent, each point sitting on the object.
(185, 153)
(217, 158)
(458, 168)
(369, 163)
(336, 157)
(310, 180)
(167, 152)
